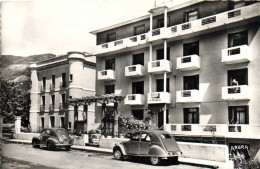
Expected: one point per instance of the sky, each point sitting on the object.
(59, 26)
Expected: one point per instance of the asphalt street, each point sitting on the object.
(22, 156)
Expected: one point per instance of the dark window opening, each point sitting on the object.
(111, 37)
(44, 82)
(63, 78)
(109, 89)
(160, 85)
(240, 75)
(191, 15)
(53, 79)
(161, 119)
(191, 115)
(69, 125)
(43, 100)
(71, 77)
(42, 122)
(53, 99)
(160, 23)
(138, 59)
(62, 122)
(139, 30)
(63, 98)
(110, 64)
(191, 82)
(138, 114)
(52, 120)
(238, 4)
(191, 48)
(160, 54)
(238, 115)
(237, 39)
(138, 87)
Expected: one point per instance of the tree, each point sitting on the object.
(15, 101)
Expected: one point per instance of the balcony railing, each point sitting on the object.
(190, 62)
(135, 99)
(63, 85)
(51, 107)
(227, 130)
(159, 66)
(159, 97)
(52, 87)
(236, 54)
(134, 70)
(63, 106)
(188, 96)
(42, 108)
(106, 75)
(240, 92)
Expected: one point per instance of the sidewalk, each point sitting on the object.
(207, 163)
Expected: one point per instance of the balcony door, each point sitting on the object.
(237, 39)
(191, 115)
(191, 82)
(160, 54)
(110, 64)
(238, 115)
(138, 87)
(110, 89)
(160, 85)
(138, 59)
(191, 48)
(160, 116)
(240, 75)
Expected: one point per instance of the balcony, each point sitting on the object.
(122, 43)
(209, 24)
(190, 62)
(135, 99)
(159, 66)
(63, 85)
(63, 106)
(188, 96)
(51, 107)
(227, 130)
(159, 97)
(134, 71)
(42, 108)
(52, 87)
(240, 92)
(43, 88)
(238, 54)
(106, 75)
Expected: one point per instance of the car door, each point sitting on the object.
(45, 136)
(134, 144)
(145, 144)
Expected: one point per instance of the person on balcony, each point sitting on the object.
(235, 83)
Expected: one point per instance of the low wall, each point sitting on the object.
(110, 142)
(212, 152)
(81, 140)
(25, 136)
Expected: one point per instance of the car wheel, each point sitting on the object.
(118, 154)
(173, 160)
(49, 147)
(155, 160)
(34, 144)
(68, 148)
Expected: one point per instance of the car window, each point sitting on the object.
(52, 133)
(48, 132)
(143, 136)
(148, 138)
(165, 136)
(136, 137)
(44, 131)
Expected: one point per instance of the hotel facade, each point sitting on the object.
(56, 80)
(196, 65)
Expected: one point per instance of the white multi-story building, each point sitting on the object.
(53, 82)
(196, 64)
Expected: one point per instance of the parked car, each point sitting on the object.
(52, 138)
(94, 138)
(155, 144)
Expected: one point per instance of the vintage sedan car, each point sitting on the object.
(155, 144)
(52, 138)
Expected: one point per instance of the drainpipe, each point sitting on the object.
(165, 74)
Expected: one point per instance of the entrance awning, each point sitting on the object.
(155, 107)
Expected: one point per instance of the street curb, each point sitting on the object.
(195, 162)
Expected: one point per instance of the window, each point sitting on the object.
(109, 89)
(53, 99)
(53, 79)
(238, 115)
(165, 136)
(238, 4)
(69, 125)
(138, 59)
(110, 64)
(138, 114)
(161, 119)
(44, 83)
(191, 115)
(62, 122)
(160, 85)
(71, 77)
(111, 37)
(70, 97)
(63, 80)
(138, 87)
(191, 48)
(191, 82)
(160, 54)
(52, 121)
(160, 23)
(191, 15)
(237, 39)
(136, 137)
(63, 98)
(143, 136)
(240, 75)
(139, 30)
(43, 100)
(42, 122)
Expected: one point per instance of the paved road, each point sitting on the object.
(18, 156)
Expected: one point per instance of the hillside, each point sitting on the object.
(16, 68)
